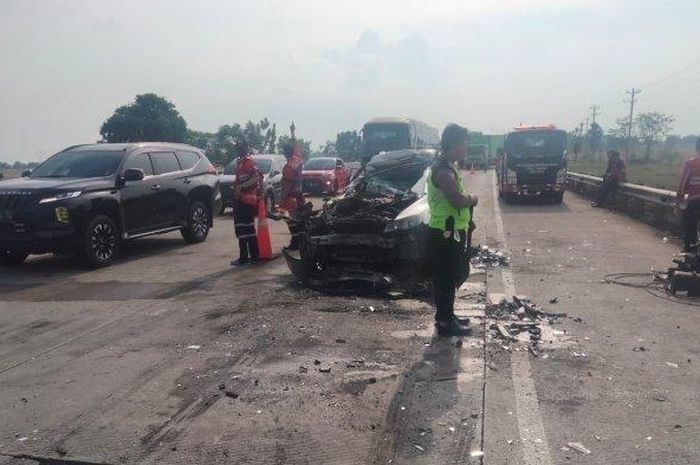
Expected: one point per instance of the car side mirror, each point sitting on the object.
(133, 174)
(26, 173)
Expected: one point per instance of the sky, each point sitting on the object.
(330, 65)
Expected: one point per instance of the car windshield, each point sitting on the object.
(394, 173)
(80, 164)
(263, 164)
(320, 164)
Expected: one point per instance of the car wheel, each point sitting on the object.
(197, 228)
(12, 257)
(100, 242)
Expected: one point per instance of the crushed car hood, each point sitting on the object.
(351, 235)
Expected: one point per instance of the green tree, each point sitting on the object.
(348, 145)
(328, 149)
(653, 127)
(305, 145)
(150, 118)
(595, 138)
(261, 136)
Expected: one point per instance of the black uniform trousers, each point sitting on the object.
(244, 222)
(450, 269)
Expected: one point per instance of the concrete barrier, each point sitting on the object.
(648, 204)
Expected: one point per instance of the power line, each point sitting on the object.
(632, 93)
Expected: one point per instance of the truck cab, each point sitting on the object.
(533, 163)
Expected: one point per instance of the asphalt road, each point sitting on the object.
(172, 356)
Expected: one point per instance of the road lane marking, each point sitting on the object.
(533, 437)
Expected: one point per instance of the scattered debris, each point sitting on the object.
(317, 362)
(452, 429)
(672, 365)
(476, 453)
(485, 257)
(520, 320)
(417, 447)
(639, 349)
(194, 347)
(340, 341)
(324, 370)
(231, 394)
(554, 300)
(303, 369)
(579, 354)
(577, 446)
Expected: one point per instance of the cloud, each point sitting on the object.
(371, 62)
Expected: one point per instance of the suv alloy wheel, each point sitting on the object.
(100, 242)
(197, 228)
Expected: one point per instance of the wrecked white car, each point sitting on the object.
(375, 233)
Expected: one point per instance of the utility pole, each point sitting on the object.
(632, 93)
(594, 112)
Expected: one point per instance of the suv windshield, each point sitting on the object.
(80, 164)
(320, 164)
(394, 173)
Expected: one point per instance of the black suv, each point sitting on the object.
(89, 198)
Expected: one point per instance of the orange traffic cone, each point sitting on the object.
(263, 233)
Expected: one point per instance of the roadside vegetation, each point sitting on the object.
(663, 176)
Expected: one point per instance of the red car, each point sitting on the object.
(325, 175)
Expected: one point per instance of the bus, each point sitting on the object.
(387, 134)
(533, 163)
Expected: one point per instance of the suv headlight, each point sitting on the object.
(405, 223)
(412, 217)
(61, 196)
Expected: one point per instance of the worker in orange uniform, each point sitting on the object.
(688, 199)
(246, 194)
(292, 196)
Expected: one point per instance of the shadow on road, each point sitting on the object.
(68, 265)
(428, 401)
(531, 205)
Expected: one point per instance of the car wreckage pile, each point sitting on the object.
(375, 234)
(523, 325)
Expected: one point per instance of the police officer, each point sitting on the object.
(450, 217)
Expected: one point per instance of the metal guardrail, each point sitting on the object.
(649, 204)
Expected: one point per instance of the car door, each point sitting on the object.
(170, 202)
(138, 197)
